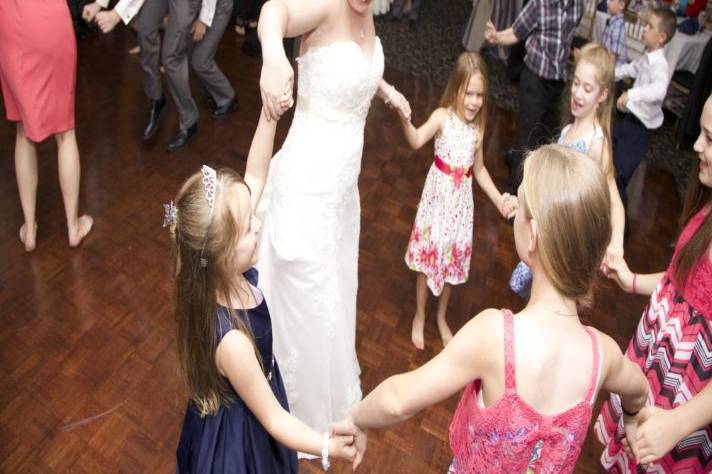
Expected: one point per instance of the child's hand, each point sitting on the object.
(490, 33)
(397, 101)
(348, 428)
(507, 205)
(342, 447)
(618, 270)
(622, 103)
(614, 253)
(631, 434)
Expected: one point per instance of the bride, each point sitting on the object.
(308, 248)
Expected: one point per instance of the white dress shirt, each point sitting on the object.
(645, 98)
(127, 9)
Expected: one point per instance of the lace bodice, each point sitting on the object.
(510, 435)
(338, 81)
(456, 142)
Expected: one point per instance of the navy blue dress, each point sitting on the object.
(233, 440)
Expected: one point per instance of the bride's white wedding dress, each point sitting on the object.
(308, 248)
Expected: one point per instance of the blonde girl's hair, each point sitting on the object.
(467, 65)
(600, 58)
(567, 195)
(198, 234)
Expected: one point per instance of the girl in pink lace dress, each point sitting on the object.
(531, 379)
(440, 245)
(673, 345)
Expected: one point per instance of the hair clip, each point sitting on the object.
(170, 214)
(210, 183)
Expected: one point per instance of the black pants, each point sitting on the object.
(539, 105)
(631, 140)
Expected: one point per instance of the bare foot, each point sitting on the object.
(135, 50)
(445, 333)
(84, 224)
(416, 334)
(28, 236)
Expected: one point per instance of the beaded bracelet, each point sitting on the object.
(325, 465)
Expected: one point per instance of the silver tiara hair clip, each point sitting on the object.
(170, 213)
(210, 183)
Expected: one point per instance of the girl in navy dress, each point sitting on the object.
(237, 418)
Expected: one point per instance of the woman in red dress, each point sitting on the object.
(673, 346)
(38, 64)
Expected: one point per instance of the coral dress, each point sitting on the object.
(510, 436)
(673, 347)
(38, 65)
(440, 244)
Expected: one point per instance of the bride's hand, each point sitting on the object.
(397, 101)
(276, 84)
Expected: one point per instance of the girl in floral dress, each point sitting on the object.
(440, 244)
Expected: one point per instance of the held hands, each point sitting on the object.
(622, 103)
(276, 84)
(397, 101)
(198, 30)
(654, 432)
(491, 33)
(617, 270)
(614, 253)
(508, 205)
(347, 429)
(107, 20)
(90, 10)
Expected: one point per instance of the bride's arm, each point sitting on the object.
(281, 19)
(259, 157)
(394, 99)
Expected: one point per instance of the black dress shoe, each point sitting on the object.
(154, 113)
(223, 110)
(183, 137)
(210, 103)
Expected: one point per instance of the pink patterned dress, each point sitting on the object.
(673, 346)
(440, 244)
(510, 435)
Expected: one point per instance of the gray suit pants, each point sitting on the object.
(179, 49)
(147, 25)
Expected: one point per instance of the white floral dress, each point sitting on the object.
(440, 244)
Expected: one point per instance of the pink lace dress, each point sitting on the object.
(440, 244)
(510, 436)
(673, 347)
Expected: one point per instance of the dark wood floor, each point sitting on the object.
(88, 369)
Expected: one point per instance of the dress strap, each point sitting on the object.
(596, 368)
(510, 378)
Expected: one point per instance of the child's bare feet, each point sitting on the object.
(445, 333)
(416, 334)
(84, 224)
(28, 236)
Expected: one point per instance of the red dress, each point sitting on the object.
(510, 435)
(673, 346)
(38, 65)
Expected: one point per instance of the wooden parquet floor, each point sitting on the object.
(88, 369)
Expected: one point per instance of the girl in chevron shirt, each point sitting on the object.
(673, 346)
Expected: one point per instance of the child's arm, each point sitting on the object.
(418, 137)
(627, 70)
(600, 153)
(485, 181)
(659, 430)
(235, 358)
(402, 396)
(259, 157)
(655, 91)
(645, 283)
(624, 377)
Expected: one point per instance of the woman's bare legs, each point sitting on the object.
(421, 298)
(69, 176)
(26, 172)
(444, 329)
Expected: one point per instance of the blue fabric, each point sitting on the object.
(233, 440)
(521, 280)
(690, 26)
